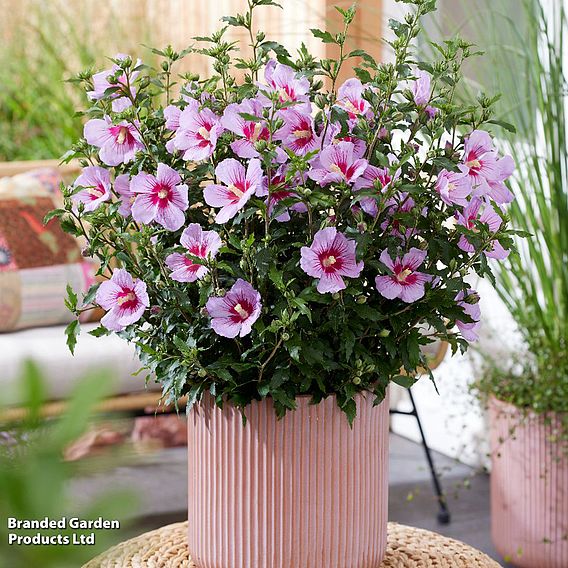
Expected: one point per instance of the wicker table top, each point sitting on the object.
(407, 547)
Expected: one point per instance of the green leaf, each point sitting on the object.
(99, 331)
(326, 37)
(71, 300)
(503, 124)
(89, 297)
(250, 117)
(52, 214)
(72, 331)
(405, 381)
(301, 306)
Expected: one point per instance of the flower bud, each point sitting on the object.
(144, 82)
(320, 101)
(357, 381)
(285, 336)
(155, 310)
(361, 299)
(165, 65)
(472, 298)
(202, 373)
(384, 333)
(336, 296)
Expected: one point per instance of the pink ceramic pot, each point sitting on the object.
(529, 489)
(306, 491)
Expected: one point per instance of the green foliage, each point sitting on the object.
(34, 479)
(304, 342)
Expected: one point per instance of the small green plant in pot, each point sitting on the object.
(279, 248)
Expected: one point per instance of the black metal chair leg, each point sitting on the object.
(443, 516)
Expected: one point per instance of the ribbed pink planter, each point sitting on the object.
(306, 491)
(529, 490)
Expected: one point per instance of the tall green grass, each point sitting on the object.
(525, 44)
(37, 105)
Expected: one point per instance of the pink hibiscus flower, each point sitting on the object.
(350, 99)
(95, 184)
(401, 204)
(161, 198)
(122, 187)
(422, 92)
(453, 187)
(118, 143)
(235, 313)
(338, 164)
(124, 298)
(404, 282)
(470, 305)
(249, 131)
(480, 161)
(298, 133)
(421, 88)
(240, 186)
(498, 191)
(101, 84)
(198, 132)
(282, 80)
(199, 243)
(332, 137)
(330, 257)
(470, 216)
(172, 114)
(280, 189)
(377, 178)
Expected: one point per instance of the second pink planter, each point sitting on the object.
(529, 488)
(306, 491)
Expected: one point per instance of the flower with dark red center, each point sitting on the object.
(235, 313)
(124, 298)
(338, 164)
(404, 281)
(330, 257)
(118, 143)
(161, 198)
(94, 184)
(240, 186)
(199, 243)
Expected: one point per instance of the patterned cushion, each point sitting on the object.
(37, 261)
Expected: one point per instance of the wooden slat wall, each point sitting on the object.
(122, 25)
(364, 33)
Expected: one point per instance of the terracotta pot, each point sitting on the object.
(306, 491)
(529, 489)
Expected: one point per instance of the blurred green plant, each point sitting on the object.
(34, 478)
(37, 103)
(36, 106)
(524, 41)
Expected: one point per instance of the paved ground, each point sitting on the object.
(161, 481)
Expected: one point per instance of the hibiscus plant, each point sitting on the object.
(268, 232)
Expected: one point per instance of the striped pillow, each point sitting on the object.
(36, 261)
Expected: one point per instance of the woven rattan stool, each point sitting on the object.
(407, 546)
